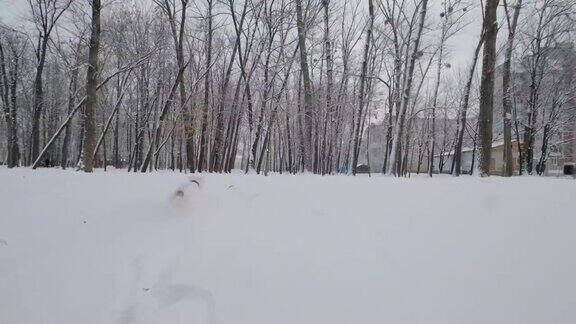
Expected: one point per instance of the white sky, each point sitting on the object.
(461, 46)
(11, 10)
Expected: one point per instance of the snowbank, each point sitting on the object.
(233, 249)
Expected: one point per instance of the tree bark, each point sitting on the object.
(508, 167)
(72, 89)
(8, 84)
(393, 167)
(308, 149)
(91, 88)
(47, 13)
(329, 122)
(435, 97)
(203, 157)
(487, 88)
(362, 91)
(464, 110)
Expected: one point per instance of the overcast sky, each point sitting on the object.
(461, 46)
(10, 10)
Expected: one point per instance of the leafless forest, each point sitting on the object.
(341, 86)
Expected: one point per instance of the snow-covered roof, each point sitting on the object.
(470, 149)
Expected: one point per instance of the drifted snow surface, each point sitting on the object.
(156, 248)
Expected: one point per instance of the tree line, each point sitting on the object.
(284, 86)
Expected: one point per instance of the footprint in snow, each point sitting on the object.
(184, 192)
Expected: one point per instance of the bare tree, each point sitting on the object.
(203, 157)
(308, 103)
(393, 163)
(178, 37)
(542, 35)
(362, 91)
(91, 88)
(463, 114)
(506, 88)
(9, 78)
(372, 85)
(487, 86)
(45, 14)
(451, 16)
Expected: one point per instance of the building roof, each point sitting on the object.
(469, 149)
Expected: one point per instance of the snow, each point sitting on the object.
(116, 247)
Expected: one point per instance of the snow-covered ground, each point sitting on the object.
(156, 248)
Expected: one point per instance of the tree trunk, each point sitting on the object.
(116, 148)
(329, 120)
(464, 110)
(155, 143)
(362, 91)
(178, 39)
(72, 89)
(308, 149)
(538, 59)
(38, 96)
(91, 88)
(263, 102)
(203, 157)
(435, 98)
(508, 167)
(393, 167)
(541, 166)
(487, 87)
(8, 84)
(218, 152)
